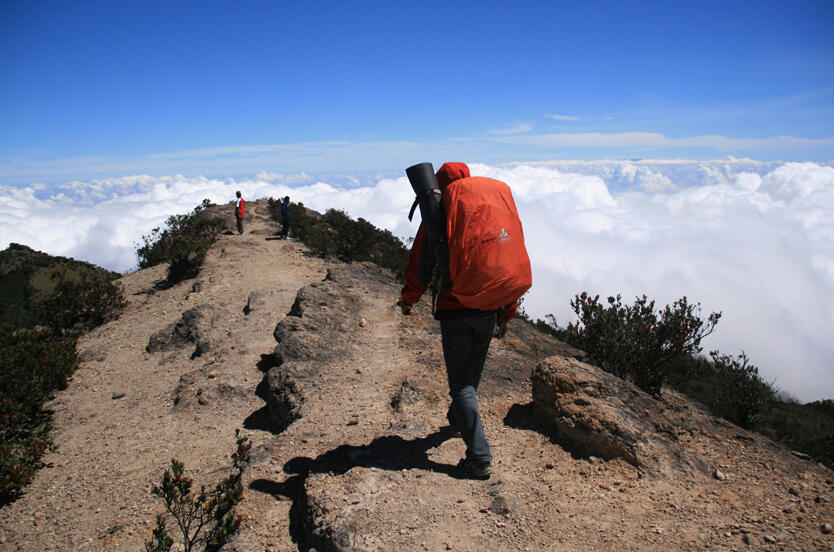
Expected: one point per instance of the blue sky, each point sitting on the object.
(95, 89)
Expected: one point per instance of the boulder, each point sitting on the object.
(317, 326)
(287, 388)
(592, 412)
(194, 327)
(255, 301)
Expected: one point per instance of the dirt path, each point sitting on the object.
(94, 494)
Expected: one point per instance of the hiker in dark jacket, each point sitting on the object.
(285, 216)
(466, 335)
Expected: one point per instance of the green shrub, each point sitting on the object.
(336, 234)
(633, 341)
(301, 218)
(182, 242)
(744, 397)
(808, 428)
(206, 517)
(186, 257)
(81, 303)
(33, 363)
(321, 239)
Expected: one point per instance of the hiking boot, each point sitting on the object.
(474, 469)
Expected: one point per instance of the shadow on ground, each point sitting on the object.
(390, 452)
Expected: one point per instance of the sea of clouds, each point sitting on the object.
(753, 240)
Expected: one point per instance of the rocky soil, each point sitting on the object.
(344, 400)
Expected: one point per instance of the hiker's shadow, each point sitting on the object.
(390, 452)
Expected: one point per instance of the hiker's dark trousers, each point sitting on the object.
(465, 345)
(239, 224)
(285, 230)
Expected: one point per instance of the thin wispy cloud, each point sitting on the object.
(656, 140)
(519, 128)
(565, 118)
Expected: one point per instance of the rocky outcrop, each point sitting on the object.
(595, 413)
(193, 328)
(317, 330)
(287, 387)
(204, 387)
(319, 323)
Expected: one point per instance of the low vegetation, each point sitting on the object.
(206, 518)
(633, 341)
(35, 362)
(182, 242)
(335, 234)
(80, 303)
(27, 277)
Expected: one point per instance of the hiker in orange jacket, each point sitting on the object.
(240, 212)
(466, 335)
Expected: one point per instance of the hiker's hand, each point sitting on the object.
(405, 307)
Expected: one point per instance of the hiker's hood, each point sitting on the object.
(450, 172)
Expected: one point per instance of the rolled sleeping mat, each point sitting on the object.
(427, 190)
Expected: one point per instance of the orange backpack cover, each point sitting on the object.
(488, 262)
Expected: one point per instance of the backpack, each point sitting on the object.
(488, 263)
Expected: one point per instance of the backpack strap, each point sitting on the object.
(501, 328)
(417, 201)
(435, 287)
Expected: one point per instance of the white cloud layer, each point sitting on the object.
(754, 240)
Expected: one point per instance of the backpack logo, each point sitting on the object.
(503, 237)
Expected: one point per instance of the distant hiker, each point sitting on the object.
(479, 295)
(240, 212)
(285, 217)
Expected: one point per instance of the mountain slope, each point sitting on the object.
(27, 277)
(368, 465)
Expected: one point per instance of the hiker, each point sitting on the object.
(240, 212)
(285, 216)
(465, 332)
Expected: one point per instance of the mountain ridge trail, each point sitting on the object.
(369, 465)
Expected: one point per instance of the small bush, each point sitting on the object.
(33, 363)
(78, 305)
(744, 397)
(182, 242)
(204, 518)
(633, 341)
(301, 218)
(321, 239)
(186, 257)
(336, 234)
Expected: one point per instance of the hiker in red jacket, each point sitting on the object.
(240, 212)
(466, 335)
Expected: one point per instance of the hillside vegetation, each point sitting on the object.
(28, 278)
(48, 302)
(653, 348)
